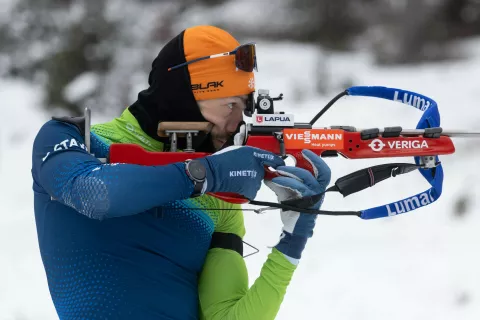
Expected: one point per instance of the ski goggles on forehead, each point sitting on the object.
(245, 58)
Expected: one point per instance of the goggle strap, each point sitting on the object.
(218, 55)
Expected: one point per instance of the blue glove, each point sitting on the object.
(295, 183)
(239, 169)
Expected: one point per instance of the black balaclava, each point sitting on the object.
(169, 96)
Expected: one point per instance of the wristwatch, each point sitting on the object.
(198, 174)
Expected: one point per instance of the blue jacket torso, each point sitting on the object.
(114, 241)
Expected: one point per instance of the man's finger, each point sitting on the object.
(322, 171)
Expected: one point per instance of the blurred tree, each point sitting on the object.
(461, 16)
(97, 53)
(87, 52)
(334, 24)
(54, 41)
(331, 23)
(413, 31)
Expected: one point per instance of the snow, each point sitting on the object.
(82, 86)
(420, 265)
(23, 286)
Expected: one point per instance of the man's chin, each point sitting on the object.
(218, 143)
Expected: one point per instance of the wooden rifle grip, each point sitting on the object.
(182, 126)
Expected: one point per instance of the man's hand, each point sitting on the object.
(239, 169)
(295, 183)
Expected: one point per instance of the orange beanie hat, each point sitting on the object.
(218, 77)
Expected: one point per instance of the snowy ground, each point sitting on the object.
(422, 265)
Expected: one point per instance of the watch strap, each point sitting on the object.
(199, 187)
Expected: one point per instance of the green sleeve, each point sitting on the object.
(223, 284)
(230, 221)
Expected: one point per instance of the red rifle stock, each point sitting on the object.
(323, 142)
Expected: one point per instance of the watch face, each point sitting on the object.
(197, 170)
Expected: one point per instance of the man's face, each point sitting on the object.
(225, 120)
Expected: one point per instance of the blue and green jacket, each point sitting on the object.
(124, 241)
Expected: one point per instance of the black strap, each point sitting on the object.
(227, 241)
(365, 178)
(303, 210)
(305, 202)
(346, 185)
(79, 122)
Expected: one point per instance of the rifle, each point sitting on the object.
(278, 133)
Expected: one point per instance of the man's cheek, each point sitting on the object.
(232, 125)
